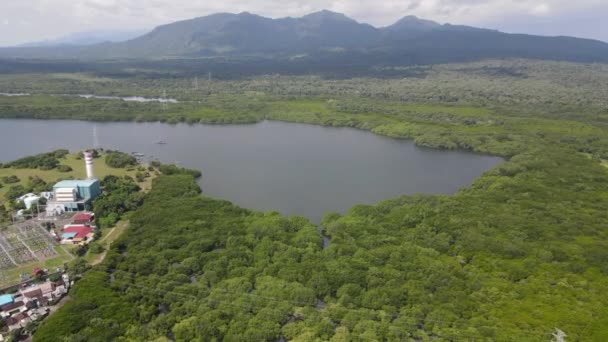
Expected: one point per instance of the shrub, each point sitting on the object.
(175, 170)
(44, 161)
(64, 168)
(96, 248)
(55, 277)
(14, 192)
(10, 179)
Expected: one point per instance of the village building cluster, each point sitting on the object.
(31, 302)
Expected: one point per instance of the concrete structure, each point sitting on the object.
(88, 159)
(47, 194)
(65, 195)
(83, 189)
(74, 195)
(29, 200)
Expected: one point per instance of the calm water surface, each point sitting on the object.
(292, 168)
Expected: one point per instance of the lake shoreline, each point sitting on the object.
(314, 169)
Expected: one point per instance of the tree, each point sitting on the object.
(120, 160)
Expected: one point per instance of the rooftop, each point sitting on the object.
(80, 232)
(33, 293)
(75, 183)
(5, 299)
(68, 235)
(83, 217)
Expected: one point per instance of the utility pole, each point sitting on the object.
(559, 336)
(164, 100)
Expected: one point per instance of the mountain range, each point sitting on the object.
(325, 35)
(86, 38)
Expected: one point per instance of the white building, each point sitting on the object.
(29, 200)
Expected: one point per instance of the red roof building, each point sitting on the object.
(77, 232)
(83, 218)
(33, 294)
(12, 306)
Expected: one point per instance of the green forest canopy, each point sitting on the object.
(520, 252)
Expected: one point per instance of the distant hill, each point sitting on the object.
(326, 35)
(86, 38)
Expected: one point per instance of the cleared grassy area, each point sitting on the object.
(108, 236)
(78, 172)
(603, 162)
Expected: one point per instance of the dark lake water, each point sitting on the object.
(292, 168)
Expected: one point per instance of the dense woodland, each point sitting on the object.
(520, 252)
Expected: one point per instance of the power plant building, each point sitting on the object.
(75, 195)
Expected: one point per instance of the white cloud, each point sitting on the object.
(44, 19)
(541, 9)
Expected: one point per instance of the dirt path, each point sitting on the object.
(99, 258)
(110, 238)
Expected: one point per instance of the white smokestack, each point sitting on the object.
(88, 159)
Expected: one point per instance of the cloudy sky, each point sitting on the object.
(34, 20)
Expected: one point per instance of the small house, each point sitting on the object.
(83, 219)
(77, 235)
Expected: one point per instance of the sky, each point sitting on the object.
(24, 21)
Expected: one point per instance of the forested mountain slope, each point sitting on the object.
(326, 35)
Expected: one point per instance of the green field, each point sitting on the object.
(50, 176)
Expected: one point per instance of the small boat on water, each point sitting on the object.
(161, 142)
(137, 154)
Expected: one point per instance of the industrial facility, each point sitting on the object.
(75, 195)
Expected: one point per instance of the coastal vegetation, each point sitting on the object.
(43, 161)
(520, 252)
(117, 160)
(500, 260)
